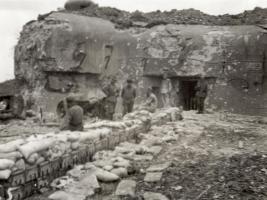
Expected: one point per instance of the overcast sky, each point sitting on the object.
(15, 13)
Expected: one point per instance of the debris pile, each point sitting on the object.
(124, 19)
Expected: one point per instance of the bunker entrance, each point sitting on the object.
(188, 92)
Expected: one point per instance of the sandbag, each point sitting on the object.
(33, 158)
(94, 134)
(108, 167)
(11, 146)
(73, 137)
(40, 160)
(5, 174)
(121, 172)
(102, 163)
(123, 150)
(75, 145)
(20, 165)
(124, 163)
(35, 147)
(61, 195)
(106, 124)
(60, 148)
(6, 164)
(11, 156)
(106, 176)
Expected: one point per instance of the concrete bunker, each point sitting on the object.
(79, 52)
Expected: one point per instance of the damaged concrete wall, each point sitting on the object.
(67, 48)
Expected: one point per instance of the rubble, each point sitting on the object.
(125, 19)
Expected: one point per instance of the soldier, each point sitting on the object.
(3, 105)
(112, 93)
(201, 94)
(165, 90)
(128, 95)
(73, 119)
(151, 102)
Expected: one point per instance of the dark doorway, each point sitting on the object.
(188, 91)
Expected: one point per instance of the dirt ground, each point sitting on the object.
(216, 157)
(227, 160)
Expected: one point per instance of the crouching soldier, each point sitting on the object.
(73, 119)
(151, 103)
(128, 95)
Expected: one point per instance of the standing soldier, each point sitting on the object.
(165, 89)
(128, 95)
(112, 93)
(201, 94)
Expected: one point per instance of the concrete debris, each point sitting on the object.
(154, 196)
(152, 177)
(126, 188)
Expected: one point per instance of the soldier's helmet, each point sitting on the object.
(71, 98)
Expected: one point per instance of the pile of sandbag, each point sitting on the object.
(110, 161)
(10, 158)
(19, 154)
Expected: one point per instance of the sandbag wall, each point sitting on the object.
(33, 163)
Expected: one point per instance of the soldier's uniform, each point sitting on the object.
(165, 90)
(128, 96)
(110, 101)
(201, 94)
(73, 119)
(151, 103)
